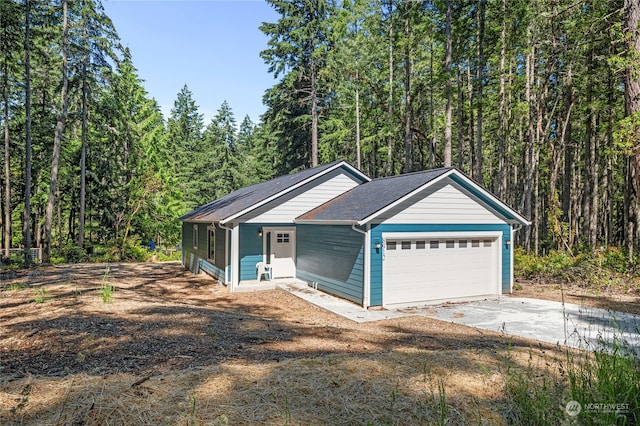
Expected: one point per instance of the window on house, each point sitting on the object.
(475, 243)
(391, 245)
(211, 242)
(195, 236)
(282, 237)
(420, 245)
(462, 243)
(451, 243)
(486, 243)
(406, 245)
(434, 244)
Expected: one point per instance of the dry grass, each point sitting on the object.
(178, 350)
(391, 388)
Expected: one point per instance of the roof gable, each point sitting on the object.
(369, 198)
(373, 199)
(251, 197)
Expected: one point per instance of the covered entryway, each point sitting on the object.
(426, 267)
(281, 248)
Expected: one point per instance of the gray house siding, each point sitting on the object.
(333, 257)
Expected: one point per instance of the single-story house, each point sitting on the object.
(407, 239)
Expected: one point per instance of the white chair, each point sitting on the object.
(264, 269)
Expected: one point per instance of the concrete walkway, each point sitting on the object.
(547, 321)
(338, 306)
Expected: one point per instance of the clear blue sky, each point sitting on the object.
(212, 46)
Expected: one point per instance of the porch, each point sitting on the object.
(255, 285)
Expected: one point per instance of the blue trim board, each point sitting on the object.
(376, 255)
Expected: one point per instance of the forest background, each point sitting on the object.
(536, 100)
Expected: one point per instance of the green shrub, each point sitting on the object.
(106, 289)
(526, 265)
(601, 266)
(71, 253)
(165, 256)
(112, 252)
(616, 259)
(40, 295)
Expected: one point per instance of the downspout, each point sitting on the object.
(366, 257)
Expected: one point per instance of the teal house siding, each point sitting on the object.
(195, 258)
(250, 251)
(376, 255)
(333, 257)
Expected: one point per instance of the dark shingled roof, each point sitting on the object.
(244, 198)
(370, 197)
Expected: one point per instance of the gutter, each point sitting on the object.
(360, 231)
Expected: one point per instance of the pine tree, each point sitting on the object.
(222, 168)
(297, 47)
(184, 128)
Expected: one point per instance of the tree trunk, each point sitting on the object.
(529, 145)
(502, 176)
(472, 150)
(432, 120)
(358, 149)
(83, 137)
(460, 124)
(448, 59)
(314, 114)
(480, 85)
(590, 198)
(632, 103)
(407, 93)
(7, 166)
(26, 218)
(389, 166)
(556, 209)
(57, 142)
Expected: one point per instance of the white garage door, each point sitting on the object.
(417, 269)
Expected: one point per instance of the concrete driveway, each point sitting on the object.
(571, 325)
(547, 321)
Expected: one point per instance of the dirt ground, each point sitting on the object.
(623, 298)
(174, 348)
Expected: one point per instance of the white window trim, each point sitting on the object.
(210, 230)
(195, 235)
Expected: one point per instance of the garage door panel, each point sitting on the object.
(439, 269)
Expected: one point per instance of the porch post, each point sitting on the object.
(235, 257)
(366, 296)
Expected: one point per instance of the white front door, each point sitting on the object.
(282, 252)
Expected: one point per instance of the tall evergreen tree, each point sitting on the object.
(223, 169)
(184, 128)
(57, 145)
(298, 44)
